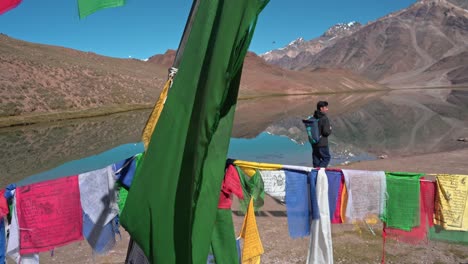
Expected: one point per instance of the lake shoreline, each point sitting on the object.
(31, 119)
(35, 118)
(364, 129)
(445, 162)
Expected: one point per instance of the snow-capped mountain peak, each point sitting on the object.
(342, 29)
(296, 42)
(299, 45)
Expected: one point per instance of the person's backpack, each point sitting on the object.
(312, 129)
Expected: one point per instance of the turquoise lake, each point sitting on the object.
(365, 126)
(264, 148)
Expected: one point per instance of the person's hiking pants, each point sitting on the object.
(320, 156)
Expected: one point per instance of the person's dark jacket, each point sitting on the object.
(324, 128)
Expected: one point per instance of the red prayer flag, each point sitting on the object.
(231, 185)
(4, 210)
(6, 5)
(49, 214)
(336, 219)
(418, 235)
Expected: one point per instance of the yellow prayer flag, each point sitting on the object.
(257, 165)
(451, 208)
(344, 203)
(154, 117)
(248, 171)
(253, 248)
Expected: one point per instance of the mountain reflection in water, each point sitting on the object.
(33, 149)
(399, 123)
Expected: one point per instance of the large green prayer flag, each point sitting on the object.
(223, 240)
(87, 7)
(402, 204)
(172, 205)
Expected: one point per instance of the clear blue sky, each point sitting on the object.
(143, 28)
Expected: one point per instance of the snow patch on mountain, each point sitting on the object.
(300, 45)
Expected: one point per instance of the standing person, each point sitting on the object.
(320, 151)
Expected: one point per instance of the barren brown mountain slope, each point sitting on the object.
(424, 45)
(262, 79)
(291, 55)
(165, 59)
(40, 79)
(460, 3)
(37, 78)
(399, 49)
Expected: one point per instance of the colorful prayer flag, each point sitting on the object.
(231, 185)
(402, 205)
(49, 214)
(334, 185)
(252, 187)
(321, 245)
(172, 204)
(155, 114)
(98, 195)
(4, 210)
(223, 240)
(257, 165)
(253, 248)
(87, 7)
(337, 216)
(452, 202)
(418, 234)
(297, 204)
(2, 240)
(366, 192)
(274, 183)
(6, 5)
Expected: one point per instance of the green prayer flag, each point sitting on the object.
(123, 193)
(402, 205)
(223, 240)
(172, 205)
(251, 187)
(439, 233)
(87, 7)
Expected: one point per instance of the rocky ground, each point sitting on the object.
(351, 243)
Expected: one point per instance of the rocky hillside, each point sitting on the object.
(259, 78)
(460, 3)
(262, 79)
(39, 79)
(296, 51)
(423, 45)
